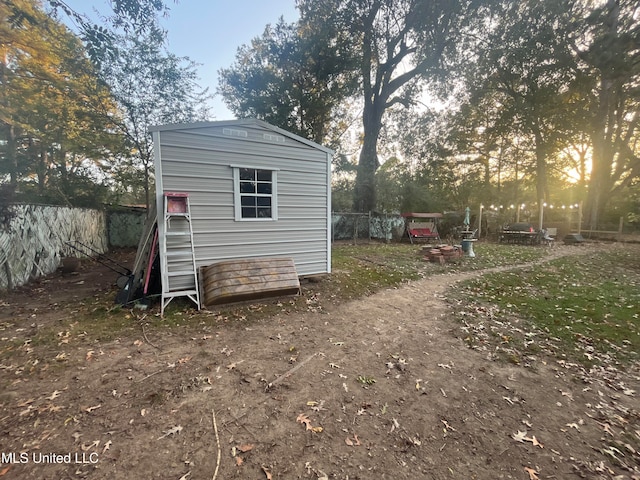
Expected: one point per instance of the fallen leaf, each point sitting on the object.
(447, 426)
(239, 461)
(522, 437)
(4, 471)
(27, 411)
(89, 355)
(54, 395)
(317, 406)
(50, 408)
(245, 448)
(607, 428)
(137, 343)
(355, 442)
(534, 441)
(394, 425)
(107, 446)
(533, 475)
(172, 431)
(302, 418)
(86, 447)
(266, 472)
(91, 409)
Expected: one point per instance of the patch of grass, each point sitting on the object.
(589, 304)
(489, 255)
(360, 270)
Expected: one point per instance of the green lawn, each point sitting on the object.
(587, 305)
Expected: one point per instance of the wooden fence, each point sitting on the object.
(34, 243)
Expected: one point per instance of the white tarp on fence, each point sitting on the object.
(34, 243)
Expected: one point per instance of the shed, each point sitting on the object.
(255, 190)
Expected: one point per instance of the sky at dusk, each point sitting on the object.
(210, 31)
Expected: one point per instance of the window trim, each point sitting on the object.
(237, 202)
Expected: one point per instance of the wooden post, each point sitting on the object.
(580, 217)
(480, 221)
(355, 229)
(541, 210)
(620, 229)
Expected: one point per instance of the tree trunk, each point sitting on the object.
(541, 166)
(12, 157)
(364, 198)
(41, 167)
(147, 190)
(603, 123)
(600, 183)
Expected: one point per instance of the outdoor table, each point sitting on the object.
(515, 236)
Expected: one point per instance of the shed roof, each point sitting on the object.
(239, 123)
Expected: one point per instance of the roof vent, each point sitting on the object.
(232, 132)
(273, 138)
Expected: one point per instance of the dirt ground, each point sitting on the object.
(383, 387)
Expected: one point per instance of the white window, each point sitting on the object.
(255, 193)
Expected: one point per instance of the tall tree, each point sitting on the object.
(47, 103)
(293, 78)
(525, 69)
(130, 16)
(151, 87)
(396, 43)
(608, 46)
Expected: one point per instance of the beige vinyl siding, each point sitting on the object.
(200, 160)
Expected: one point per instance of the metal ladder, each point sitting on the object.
(178, 259)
